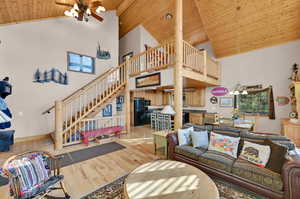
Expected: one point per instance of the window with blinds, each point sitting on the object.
(81, 63)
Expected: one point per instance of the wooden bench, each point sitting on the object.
(104, 131)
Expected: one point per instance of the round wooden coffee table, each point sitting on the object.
(166, 179)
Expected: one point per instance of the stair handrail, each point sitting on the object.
(82, 88)
(91, 84)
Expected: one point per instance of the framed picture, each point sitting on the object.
(107, 111)
(130, 54)
(119, 102)
(148, 80)
(226, 102)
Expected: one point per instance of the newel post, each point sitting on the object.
(205, 64)
(127, 97)
(58, 125)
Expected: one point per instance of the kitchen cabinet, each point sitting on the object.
(196, 118)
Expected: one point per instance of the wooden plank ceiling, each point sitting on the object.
(236, 26)
(232, 26)
(151, 14)
(14, 11)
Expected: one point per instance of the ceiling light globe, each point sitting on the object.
(236, 92)
(68, 13)
(100, 9)
(244, 92)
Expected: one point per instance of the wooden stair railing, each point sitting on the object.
(70, 112)
(82, 88)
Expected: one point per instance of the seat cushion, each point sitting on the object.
(189, 151)
(262, 176)
(217, 160)
(53, 180)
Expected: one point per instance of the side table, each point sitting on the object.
(160, 141)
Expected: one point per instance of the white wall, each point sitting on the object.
(268, 66)
(135, 40)
(44, 44)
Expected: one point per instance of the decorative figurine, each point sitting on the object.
(295, 73)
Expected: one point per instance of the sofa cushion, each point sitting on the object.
(224, 144)
(260, 138)
(189, 151)
(217, 160)
(262, 176)
(277, 157)
(199, 127)
(225, 130)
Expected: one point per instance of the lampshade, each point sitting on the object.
(68, 13)
(88, 11)
(168, 110)
(244, 92)
(76, 6)
(100, 9)
(236, 92)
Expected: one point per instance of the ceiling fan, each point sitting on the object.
(82, 10)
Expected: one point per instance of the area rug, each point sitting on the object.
(114, 190)
(82, 155)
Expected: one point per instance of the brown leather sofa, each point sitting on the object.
(262, 181)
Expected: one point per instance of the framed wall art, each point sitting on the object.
(226, 102)
(148, 80)
(107, 111)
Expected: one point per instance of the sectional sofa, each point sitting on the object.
(284, 184)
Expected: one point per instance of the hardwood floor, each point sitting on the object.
(84, 177)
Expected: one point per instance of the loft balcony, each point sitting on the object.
(197, 65)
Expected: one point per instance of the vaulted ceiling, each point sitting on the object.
(151, 14)
(14, 11)
(232, 26)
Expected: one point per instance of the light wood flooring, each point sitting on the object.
(84, 177)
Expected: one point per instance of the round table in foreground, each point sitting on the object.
(166, 179)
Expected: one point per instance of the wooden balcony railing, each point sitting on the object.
(153, 59)
(164, 55)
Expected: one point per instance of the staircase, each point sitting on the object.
(72, 114)
(75, 114)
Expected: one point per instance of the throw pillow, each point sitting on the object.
(224, 144)
(277, 157)
(184, 136)
(200, 139)
(256, 153)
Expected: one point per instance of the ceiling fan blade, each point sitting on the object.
(97, 17)
(63, 4)
(95, 4)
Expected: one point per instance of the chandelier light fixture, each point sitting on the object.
(82, 11)
(239, 90)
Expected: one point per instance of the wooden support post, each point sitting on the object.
(58, 125)
(205, 64)
(178, 78)
(127, 97)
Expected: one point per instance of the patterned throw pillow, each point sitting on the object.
(31, 172)
(184, 136)
(256, 153)
(224, 144)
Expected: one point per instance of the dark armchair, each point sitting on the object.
(6, 139)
